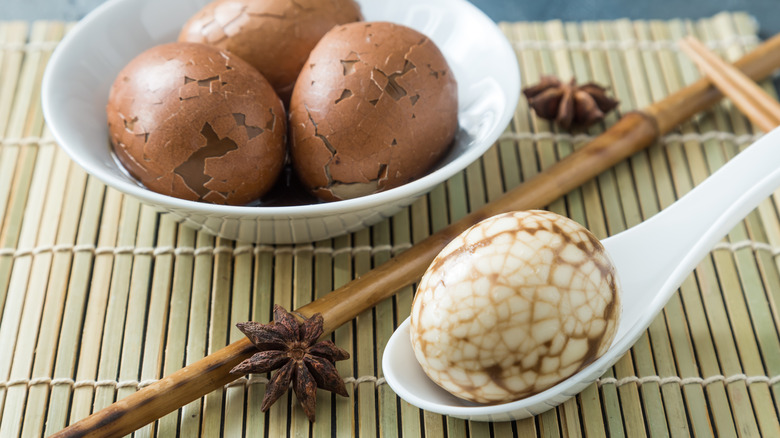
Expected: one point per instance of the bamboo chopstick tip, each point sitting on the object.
(686, 46)
(759, 107)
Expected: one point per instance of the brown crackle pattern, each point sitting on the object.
(374, 107)
(514, 305)
(274, 36)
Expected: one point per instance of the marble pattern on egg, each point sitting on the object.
(514, 305)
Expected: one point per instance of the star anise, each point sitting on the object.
(292, 347)
(570, 105)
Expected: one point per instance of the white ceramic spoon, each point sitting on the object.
(652, 260)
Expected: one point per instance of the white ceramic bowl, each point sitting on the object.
(85, 63)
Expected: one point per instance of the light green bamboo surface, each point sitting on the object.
(100, 294)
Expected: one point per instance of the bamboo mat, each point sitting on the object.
(100, 295)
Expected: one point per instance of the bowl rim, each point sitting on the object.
(409, 190)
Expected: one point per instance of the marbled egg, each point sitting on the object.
(514, 305)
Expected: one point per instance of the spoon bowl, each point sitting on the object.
(652, 259)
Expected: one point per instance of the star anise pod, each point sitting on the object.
(292, 347)
(570, 105)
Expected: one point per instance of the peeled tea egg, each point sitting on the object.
(274, 36)
(514, 305)
(375, 106)
(190, 121)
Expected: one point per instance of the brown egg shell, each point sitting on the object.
(196, 123)
(375, 107)
(274, 36)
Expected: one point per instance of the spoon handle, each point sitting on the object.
(676, 239)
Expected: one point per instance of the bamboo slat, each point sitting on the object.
(240, 310)
(674, 414)
(10, 125)
(677, 325)
(179, 310)
(138, 303)
(24, 311)
(601, 212)
(101, 295)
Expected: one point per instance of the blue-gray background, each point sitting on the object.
(767, 12)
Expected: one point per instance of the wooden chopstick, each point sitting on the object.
(758, 106)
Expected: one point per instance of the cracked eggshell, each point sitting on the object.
(274, 36)
(514, 305)
(190, 121)
(375, 106)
